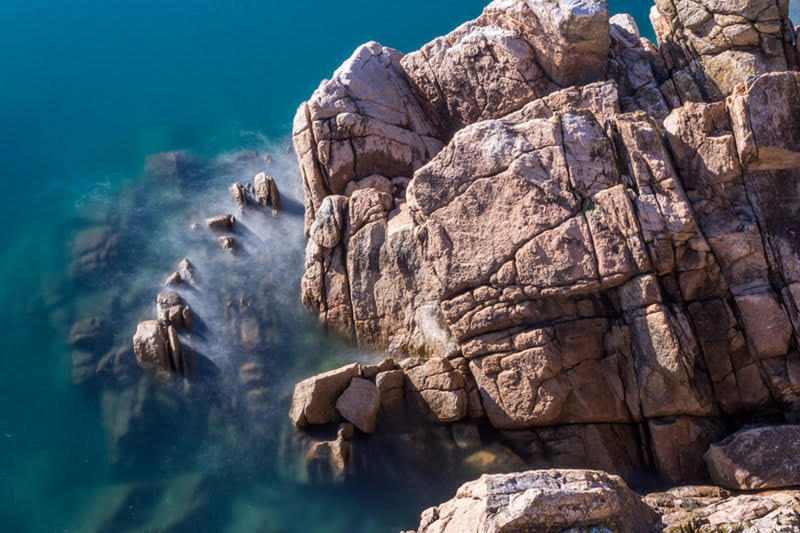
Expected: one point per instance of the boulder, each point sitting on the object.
(186, 270)
(158, 349)
(541, 500)
(221, 223)
(329, 461)
(756, 458)
(359, 404)
(314, 399)
(266, 192)
(229, 244)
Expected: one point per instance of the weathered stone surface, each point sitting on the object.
(150, 344)
(756, 107)
(359, 404)
(437, 389)
(589, 228)
(314, 399)
(756, 458)
(365, 120)
(716, 45)
(266, 192)
(540, 500)
(709, 509)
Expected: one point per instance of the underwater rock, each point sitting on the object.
(330, 461)
(119, 366)
(91, 333)
(253, 378)
(83, 367)
(173, 167)
(94, 251)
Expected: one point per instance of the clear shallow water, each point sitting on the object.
(88, 90)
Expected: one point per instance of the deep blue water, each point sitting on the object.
(89, 89)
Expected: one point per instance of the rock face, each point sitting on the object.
(541, 500)
(757, 458)
(595, 229)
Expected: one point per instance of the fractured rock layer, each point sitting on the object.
(602, 231)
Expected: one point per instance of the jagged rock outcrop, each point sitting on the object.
(600, 230)
(262, 192)
(541, 500)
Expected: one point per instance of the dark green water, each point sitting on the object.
(88, 90)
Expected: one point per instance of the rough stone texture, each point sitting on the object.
(359, 404)
(540, 500)
(263, 192)
(436, 388)
(714, 45)
(757, 458)
(314, 399)
(591, 229)
(711, 509)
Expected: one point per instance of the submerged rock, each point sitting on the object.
(173, 167)
(94, 252)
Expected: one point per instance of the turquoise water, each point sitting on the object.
(88, 90)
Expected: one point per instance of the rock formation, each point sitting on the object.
(592, 229)
(541, 500)
(585, 500)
